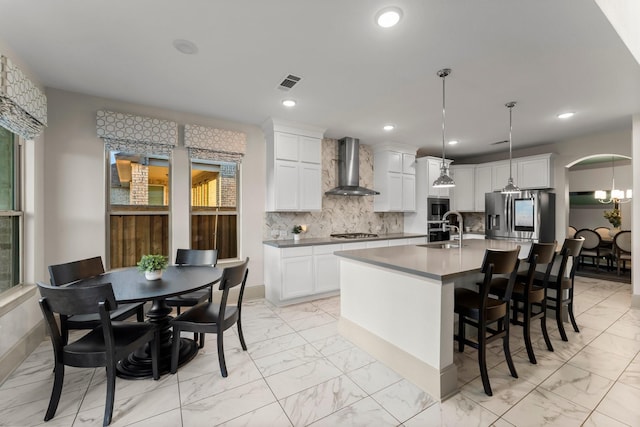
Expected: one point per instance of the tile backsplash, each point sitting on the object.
(339, 214)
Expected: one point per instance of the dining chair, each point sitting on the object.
(63, 274)
(592, 248)
(562, 284)
(102, 346)
(528, 299)
(571, 232)
(490, 316)
(210, 317)
(194, 257)
(622, 249)
(604, 232)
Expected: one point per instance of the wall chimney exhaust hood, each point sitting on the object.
(349, 170)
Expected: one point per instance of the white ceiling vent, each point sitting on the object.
(289, 82)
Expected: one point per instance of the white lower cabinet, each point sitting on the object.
(326, 268)
(297, 272)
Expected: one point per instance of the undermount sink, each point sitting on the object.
(442, 245)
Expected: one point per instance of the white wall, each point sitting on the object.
(75, 220)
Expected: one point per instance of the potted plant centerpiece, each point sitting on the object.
(297, 229)
(152, 265)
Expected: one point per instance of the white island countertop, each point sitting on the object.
(432, 262)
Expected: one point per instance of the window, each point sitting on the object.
(138, 207)
(214, 207)
(10, 211)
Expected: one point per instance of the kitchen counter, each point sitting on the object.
(314, 241)
(397, 304)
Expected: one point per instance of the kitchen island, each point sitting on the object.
(397, 304)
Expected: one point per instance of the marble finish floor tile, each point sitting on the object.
(298, 370)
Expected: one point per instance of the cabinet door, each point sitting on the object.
(408, 193)
(327, 269)
(482, 185)
(286, 146)
(500, 175)
(309, 149)
(394, 161)
(297, 277)
(462, 195)
(408, 163)
(286, 185)
(534, 173)
(310, 187)
(394, 191)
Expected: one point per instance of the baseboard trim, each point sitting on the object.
(13, 358)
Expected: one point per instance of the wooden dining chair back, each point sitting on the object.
(592, 247)
(211, 317)
(490, 316)
(200, 257)
(69, 272)
(622, 249)
(102, 346)
(528, 300)
(562, 284)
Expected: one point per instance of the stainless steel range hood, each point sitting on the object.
(349, 170)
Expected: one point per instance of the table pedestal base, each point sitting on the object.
(138, 364)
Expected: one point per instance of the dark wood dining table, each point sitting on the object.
(129, 285)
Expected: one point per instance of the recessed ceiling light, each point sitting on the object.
(289, 103)
(566, 115)
(453, 142)
(389, 127)
(185, 46)
(389, 16)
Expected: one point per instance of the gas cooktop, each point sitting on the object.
(353, 235)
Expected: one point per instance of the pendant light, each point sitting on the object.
(444, 180)
(510, 188)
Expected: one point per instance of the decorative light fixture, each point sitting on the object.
(616, 196)
(289, 103)
(510, 188)
(444, 180)
(388, 17)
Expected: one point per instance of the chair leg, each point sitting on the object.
(175, 349)
(140, 314)
(111, 394)
(201, 345)
(460, 333)
(56, 392)
(482, 360)
(543, 326)
(223, 365)
(559, 321)
(527, 333)
(241, 336)
(570, 310)
(506, 349)
(155, 355)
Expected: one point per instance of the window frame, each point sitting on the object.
(199, 211)
(18, 208)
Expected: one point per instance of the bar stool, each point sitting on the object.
(528, 298)
(481, 311)
(563, 285)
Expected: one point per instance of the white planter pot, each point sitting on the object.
(153, 275)
(296, 237)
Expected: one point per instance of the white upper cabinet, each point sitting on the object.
(535, 172)
(463, 194)
(394, 177)
(434, 165)
(500, 174)
(294, 169)
(482, 185)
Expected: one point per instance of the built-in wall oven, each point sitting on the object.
(437, 207)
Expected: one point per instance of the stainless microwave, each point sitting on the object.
(436, 208)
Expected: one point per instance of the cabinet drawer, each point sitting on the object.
(294, 252)
(355, 245)
(326, 249)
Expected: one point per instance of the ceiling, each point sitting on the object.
(550, 56)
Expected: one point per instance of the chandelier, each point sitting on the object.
(615, 196)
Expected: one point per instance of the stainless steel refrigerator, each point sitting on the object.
(528, 215)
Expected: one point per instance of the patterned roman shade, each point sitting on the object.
(214, 144)
(23, 107)
(136, 134)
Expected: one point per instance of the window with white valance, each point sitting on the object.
(23, 107)
(136, 134)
